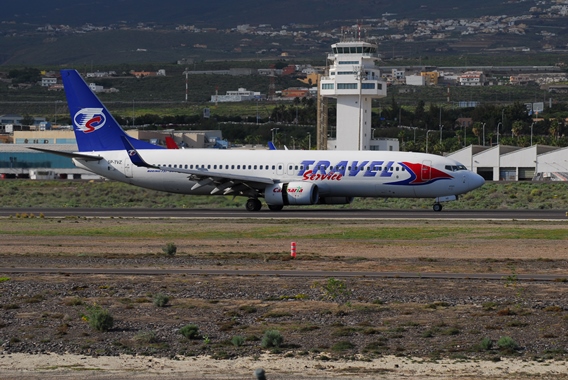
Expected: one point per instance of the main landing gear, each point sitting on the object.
(253, 204)
(437, 207)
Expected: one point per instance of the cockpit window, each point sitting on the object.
(455, 168)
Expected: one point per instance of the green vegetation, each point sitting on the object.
(99, 318)
(161, 300)
(237, 340)
(342, 346)
(271, 339)
(87, 194)
(190, 331)
(506, 343)
(333, 289)
(170, 249)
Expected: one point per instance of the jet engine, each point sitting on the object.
(293, 193)
(335, 200)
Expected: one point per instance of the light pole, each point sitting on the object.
(498, 124)
(273, 130)
(532, 132)
(427, 138)
(309, 141)
(484, 134)
(440, 124)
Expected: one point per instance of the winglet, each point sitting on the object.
(271, 146)
(134, 155)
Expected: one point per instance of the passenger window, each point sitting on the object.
(279, 167)
(273, 167)
(254, 167)
(238, 166)
(249, 167)
(208, 166)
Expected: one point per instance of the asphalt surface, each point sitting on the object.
(304, 213)
(284, 273)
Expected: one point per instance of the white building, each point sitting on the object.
(415, 80)
(46, 82)
(354, 80)
(241, 95)
(508, 163)
(472, 78)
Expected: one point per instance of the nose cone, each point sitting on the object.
(475, 181)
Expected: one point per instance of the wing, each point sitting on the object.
(228, 183)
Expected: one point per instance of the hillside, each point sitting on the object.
(71, 33)
(228, 13)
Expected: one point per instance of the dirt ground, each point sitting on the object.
(331, 327)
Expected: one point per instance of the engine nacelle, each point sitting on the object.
(335, 200)
(293, 193)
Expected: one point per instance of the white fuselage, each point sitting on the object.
(336, 173)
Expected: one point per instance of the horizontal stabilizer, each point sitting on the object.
(79, 156)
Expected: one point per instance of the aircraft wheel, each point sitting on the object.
(437, 207)
(253, 204)
(275, 207)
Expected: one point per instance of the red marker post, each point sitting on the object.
(293, 249)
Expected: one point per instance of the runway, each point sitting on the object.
(291, 213)
(285, 273)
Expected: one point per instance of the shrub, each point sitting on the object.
(190, 331)
(170, 249)
(486, 344)
(237, 340)
(271, 338)
(333, 289)
(507, 343)
(161, 300)
(98, 318)
(146, 337)
(75, 301)
(342, 346)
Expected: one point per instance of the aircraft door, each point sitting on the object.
(291, 170)
(127, 167)
(426, 170)
(280, 169)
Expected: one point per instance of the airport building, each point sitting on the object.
(511, 163)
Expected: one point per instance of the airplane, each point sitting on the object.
(280, 177)
(171, 143)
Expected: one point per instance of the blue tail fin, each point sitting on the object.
(95, 128)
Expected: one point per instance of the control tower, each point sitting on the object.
(354, 80)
